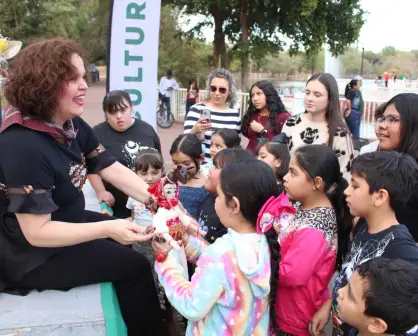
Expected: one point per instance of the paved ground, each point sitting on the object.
(93, 115)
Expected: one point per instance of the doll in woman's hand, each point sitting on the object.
(170, 222)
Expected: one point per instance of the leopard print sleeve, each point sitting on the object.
(343, 147)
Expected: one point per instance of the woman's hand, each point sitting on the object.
(347, 113)
(201, 126)
(107, 197)
(320, 319)
(256, 126)
(127, 233)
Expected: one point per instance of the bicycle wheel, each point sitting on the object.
(164, 119)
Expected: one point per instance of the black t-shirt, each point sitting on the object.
(394, 243)
(125, 146)
(56, 172)
(209, 220)
(408, 214)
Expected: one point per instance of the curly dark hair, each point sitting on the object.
(274, 104)
(36, 75)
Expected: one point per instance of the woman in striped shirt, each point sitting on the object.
(220, 101)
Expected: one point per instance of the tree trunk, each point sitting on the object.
(244, 46)
(219, 56)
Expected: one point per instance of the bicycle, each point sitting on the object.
(164, 119)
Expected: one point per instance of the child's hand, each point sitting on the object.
(320, 319)
(256, 126)
(107, 197)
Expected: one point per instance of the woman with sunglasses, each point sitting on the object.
(217, 111)
(397, 130)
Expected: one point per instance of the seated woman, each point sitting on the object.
(123, 136)
(47, 239)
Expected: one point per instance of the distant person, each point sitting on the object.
(386, 77)
(191, 95)
(167, 85)
(395, 78)
(354, 106)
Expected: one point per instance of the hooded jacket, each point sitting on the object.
(229, 292)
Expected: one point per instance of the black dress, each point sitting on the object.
(125, 146)
(44, 176)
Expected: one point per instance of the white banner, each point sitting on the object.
(133, 54)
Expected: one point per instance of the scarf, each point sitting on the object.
(162, 201)
(64, 134)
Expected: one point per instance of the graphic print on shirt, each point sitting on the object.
(358, 254)
(130, 151)
(292, 121)
(78, 173)
(309, 135)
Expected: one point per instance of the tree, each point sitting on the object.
(308, 24)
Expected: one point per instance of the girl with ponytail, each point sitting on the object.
(233, 290)
(314, 240)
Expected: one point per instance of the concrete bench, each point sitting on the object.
(83, 311)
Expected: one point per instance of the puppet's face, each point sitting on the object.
(169, 190)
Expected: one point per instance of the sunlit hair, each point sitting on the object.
(223, 73)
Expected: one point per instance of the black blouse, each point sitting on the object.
(42, 176)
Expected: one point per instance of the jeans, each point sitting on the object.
(189, 104)
(166, 101)
(353, 122)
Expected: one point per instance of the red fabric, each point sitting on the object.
(387, 76)
(306, 268)
(192, 100)
(253, 136)
(162, 201)
(13, 116)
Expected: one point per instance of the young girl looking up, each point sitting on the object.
(224, 138)
(277, 156)
(186, 151)
(149, 166)
(207, 217)
(229, 292)
(309, 242)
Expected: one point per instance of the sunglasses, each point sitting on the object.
(221, 90)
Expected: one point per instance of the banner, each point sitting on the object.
(133, 54)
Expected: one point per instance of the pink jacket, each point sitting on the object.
(308, 250)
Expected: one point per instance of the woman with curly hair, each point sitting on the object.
(47, 239)
(265, 116)
(216, 112)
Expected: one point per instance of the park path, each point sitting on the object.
(93, 115)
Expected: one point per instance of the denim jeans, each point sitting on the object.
(353, 122)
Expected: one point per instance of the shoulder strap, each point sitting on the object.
(267, 125)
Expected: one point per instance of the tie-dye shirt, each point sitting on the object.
(229, 292)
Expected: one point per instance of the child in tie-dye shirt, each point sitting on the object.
(229, 292)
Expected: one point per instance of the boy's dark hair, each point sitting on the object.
(395, 172)
(392, 293)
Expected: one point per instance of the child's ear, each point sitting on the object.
(317, 183)
(377, 326)
(278, 163)
(235, 206)
(380, 197)
(202, 158)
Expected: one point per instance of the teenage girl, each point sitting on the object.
(224, 138)
(277, 156)
(230, 291)
(309, 242)
(186, 151)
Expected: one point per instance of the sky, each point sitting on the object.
(388, 23)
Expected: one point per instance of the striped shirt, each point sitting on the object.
(230, 119)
